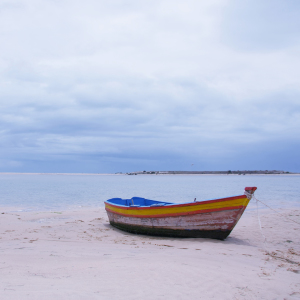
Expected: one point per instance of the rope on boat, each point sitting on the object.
(251, 195)
(274, 210)
(259, 222)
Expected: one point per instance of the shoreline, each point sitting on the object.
(78, 254)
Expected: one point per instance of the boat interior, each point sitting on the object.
(137, 202)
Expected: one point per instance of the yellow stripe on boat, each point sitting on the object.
(177, 209)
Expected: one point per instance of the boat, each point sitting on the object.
(198, 219)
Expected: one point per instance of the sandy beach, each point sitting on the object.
(78, 255)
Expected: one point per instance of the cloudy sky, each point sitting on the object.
(119, 86)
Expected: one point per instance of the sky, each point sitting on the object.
(119, 86)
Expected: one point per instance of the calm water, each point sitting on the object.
(63, 192)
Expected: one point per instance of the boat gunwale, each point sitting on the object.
(125, 207)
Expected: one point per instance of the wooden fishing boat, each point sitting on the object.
(206, 219)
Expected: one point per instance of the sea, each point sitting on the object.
(59, 192)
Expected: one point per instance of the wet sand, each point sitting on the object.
(78, 255)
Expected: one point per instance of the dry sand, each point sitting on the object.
(78, 255)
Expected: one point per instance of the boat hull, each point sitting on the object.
(208, 219)
(166, 232)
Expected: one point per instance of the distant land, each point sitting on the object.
(207, 172)
(229, 172)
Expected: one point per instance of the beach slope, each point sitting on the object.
(78, 255)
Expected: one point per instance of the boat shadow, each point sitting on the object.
(231, 240)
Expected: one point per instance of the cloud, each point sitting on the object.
(106, 87)
(265, 25)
